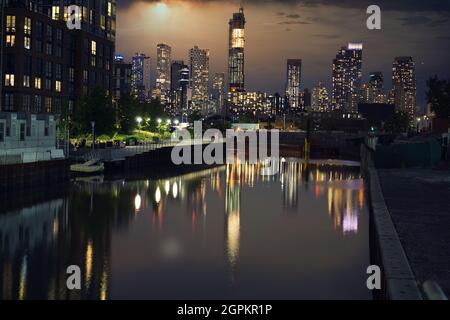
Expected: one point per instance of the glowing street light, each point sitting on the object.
(176, 122)
(159, 120)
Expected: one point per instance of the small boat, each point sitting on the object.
(89, 167)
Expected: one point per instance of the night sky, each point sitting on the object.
(277, 30)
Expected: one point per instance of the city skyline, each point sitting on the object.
(272, 30)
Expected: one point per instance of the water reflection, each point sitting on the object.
(38, 243)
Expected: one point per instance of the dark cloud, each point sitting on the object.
(427, 21)
(400, 5)
(293, 22)
(293, 16)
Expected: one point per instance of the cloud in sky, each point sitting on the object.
(276, 31)
(403, 5)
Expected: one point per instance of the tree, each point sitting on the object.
(127, 112)
(195, 116)
(438, 95)
(399, 123)
(96, 107)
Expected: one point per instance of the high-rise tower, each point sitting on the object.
(293, 80)
(404, 84)
(199, 67)
(347, 74)
(236, 77)
(163, 63)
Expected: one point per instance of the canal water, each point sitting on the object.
(222, 233)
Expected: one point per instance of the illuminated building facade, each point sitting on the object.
(218, 92)
(258, 103)
(46, 65)
(140, 77)
(277, 104)
(376, 84)
(199, 68)
(373, 92)
(347, 74)
(320, 99)
(305, 100)
(163, 71)
(293, 81)
(236, 77)
(184, 92)
(404, 84)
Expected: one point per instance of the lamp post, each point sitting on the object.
(93, 134)
(139, 121)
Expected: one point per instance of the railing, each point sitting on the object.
(112, 154)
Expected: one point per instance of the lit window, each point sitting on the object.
(237, 38)
(10, 23)
(27, 26)
(27, 42)
(102, 22)
(55, 12)
(37, 83)
(10, 40)
(110, 9)
(58, 86)
(26, 81)
(9, 80)
(93, 48)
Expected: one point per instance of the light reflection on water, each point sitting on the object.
(225, 232)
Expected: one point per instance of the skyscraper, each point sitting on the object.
(175, 74)
(376, 83)
(199, 67)
(404, 84)
(305, 100)
(173, 105)
(347, 74)
(46, 65)
(184, 92)
(140, 76)
(293, 81)
(122, 77)
(163, 64)
(319, 98)
(218, 91)
(236, 77)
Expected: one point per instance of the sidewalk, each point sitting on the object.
(419, 203)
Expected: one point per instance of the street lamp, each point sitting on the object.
(176, 122)
(139, 121)
(159, 120)
(93, 134)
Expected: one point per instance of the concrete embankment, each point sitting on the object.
(28, 176)
(398, 279)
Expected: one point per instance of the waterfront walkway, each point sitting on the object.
(419, 203)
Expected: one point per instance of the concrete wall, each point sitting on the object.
(36, 142)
